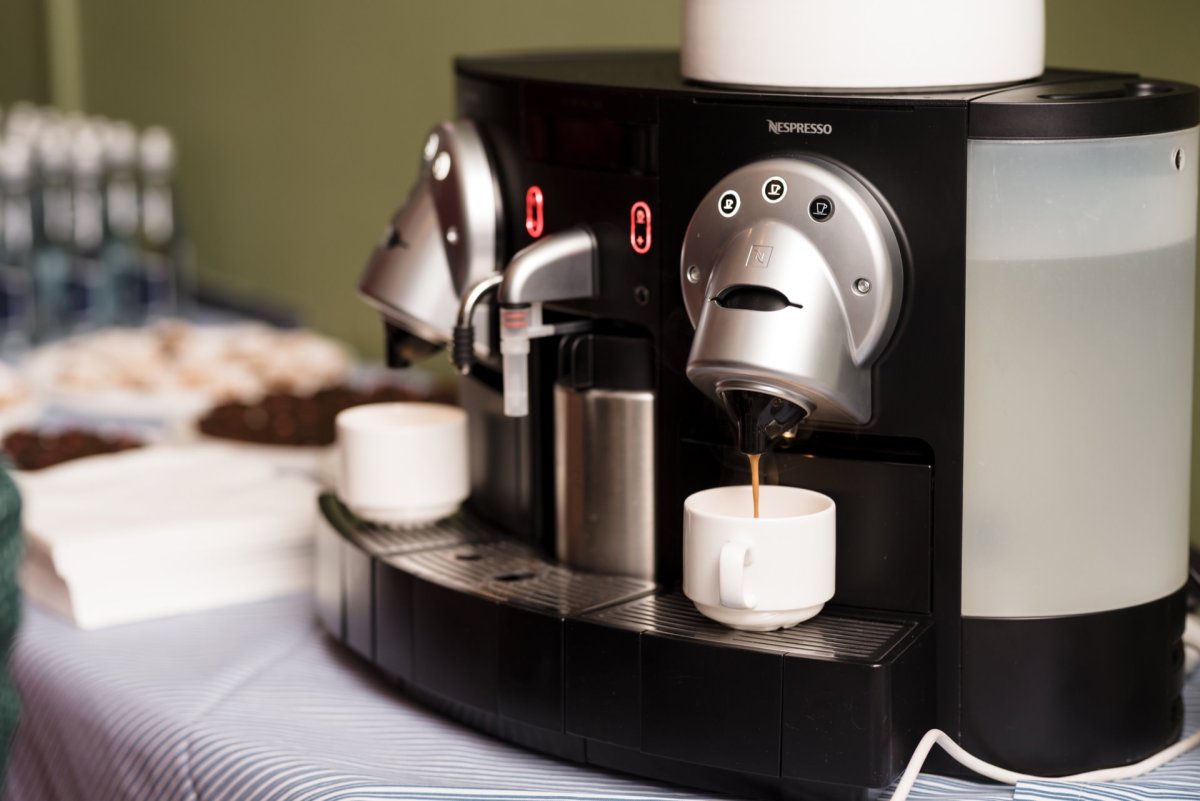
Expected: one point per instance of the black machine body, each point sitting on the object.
(619, 150)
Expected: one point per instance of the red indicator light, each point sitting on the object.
(514, 319)
(535, 221)
(640, 231)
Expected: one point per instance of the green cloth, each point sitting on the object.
(10, 610)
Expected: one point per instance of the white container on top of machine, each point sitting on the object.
(803, 44)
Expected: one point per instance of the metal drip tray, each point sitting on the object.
(380, 540)
(511, 573)
(831, 635)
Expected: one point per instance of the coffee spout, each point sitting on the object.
(760, 418)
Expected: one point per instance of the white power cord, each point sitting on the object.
(1191, 639)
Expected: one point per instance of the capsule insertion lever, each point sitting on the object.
(559, 267)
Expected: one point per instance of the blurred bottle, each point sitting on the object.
(120, 253)
(53, 230)
(22, 121)
(17, 321)
(165, 251)
(93, 293)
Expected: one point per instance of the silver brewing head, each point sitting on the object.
(442, 241)
(791, 273)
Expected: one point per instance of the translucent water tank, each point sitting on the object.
(1078, 382)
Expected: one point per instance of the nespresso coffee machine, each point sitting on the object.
(966, 314)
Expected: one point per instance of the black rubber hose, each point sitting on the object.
(463, 350)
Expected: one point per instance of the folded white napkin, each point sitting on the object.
(164, 530)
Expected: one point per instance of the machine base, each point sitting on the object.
(1063, 695)
(620, 673)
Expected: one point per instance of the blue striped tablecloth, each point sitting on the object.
(254, 702)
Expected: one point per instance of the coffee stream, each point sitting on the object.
(754, 457)
(761, 419)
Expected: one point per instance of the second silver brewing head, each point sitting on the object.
(441, 241)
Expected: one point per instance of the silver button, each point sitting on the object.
(441, 166)
(728, 203)
(774, 189)
(431, 146)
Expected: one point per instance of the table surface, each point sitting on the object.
(255, 702)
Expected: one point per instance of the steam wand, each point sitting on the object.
(561, 266)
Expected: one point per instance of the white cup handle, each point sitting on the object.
(731, 575)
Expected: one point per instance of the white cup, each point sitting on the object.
(763, 573)
(402, 464)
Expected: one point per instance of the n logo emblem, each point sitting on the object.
(759, 256)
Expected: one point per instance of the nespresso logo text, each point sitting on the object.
(799, 127)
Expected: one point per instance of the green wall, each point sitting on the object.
(300, 121)
(1155, 38)
(22, 51)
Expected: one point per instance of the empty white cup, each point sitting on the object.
(763, 573)
(402, 464)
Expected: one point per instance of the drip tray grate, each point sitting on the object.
(381, 540)
(832, 635)
(515, 574)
